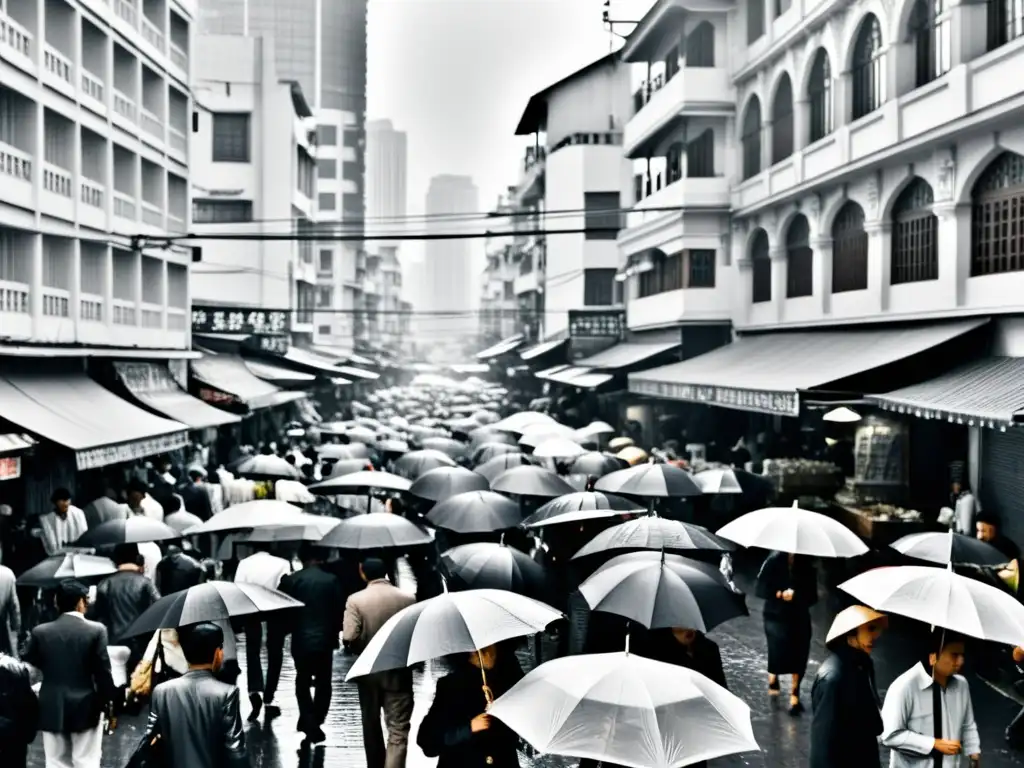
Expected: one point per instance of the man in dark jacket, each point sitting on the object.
(197, 500)
(196, 716)
(177, 571)
(121, 599)
(71, 652)
(19, 712)
(315, 629)
(846, 720)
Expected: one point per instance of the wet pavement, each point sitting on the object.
(783, 738)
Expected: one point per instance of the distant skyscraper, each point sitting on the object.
(449, 283)
(386, 159)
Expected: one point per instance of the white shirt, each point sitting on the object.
(151, 508)
(908, 726)
(262, 568)
(59, 531)
(151, 557)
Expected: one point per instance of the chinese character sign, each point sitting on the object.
(213, 319)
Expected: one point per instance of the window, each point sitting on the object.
(598, 287)
(327, 201)
(781, 6)
(849, 250)
(752, 139)
(819, 93)
(327, 168)
(324, 297)
(602, 212)
(700, 272)
(327, 135)
(868, 70)
(799, 259)
(1005, 22)
(915, 245)
(782, 120)
(700, 156)
(221, 211)
(326, 260)
(323, 330)
(700, 46)
(231, 137)
(930, 32)
(674, 163)
(997, 218)
(761, 267)
(755, 20)
(665, 274)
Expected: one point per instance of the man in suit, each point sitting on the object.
(71, 652)
(315, 628)
(122, 597)
(196, 716)
(10, 613)
(197, 500)
(365, 613)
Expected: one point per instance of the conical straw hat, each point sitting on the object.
(850, 618)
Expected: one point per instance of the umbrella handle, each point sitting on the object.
(488, 693)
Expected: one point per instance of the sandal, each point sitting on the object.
(773, 686)
(795, 707)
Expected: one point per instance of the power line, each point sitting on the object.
(336, 237)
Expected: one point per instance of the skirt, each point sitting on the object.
(789, 643)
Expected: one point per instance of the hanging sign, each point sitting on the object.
(145, 378)
(214, 319)
(759, 401)
(104, 456)
(10, 468)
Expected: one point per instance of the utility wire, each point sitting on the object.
(341, 237)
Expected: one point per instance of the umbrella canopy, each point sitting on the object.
(492, 468)
(632, 455)
(718, 481)
(618, 443)
(445, 445)
(361, 434)
(376, 530)
(487, 451)
(490, 434)
(651, 481)
(212, 601)
(251, 514)
(658, 533)
(182, 521)
(347, 484)
(55, 569)
(268, 468)
(659, 591)
(415, 463)
(626, 709)
(949, 547)
(584, 505)
(346, 467)
(531, 481)
(455, 622)
(794, 530)
(487, 565)
(475, 512)
(595, 429)
(337, 452)
(305, 528)
(559, 448)
(134, 530)
(542, 432)
(445, 482)
(393, 446)
(596, 464)
(941, 598)
(517, 423)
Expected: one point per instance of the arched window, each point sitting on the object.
(752, 139)
(997, 218)
(868, 70)
(1005, 22)
(915, 229)
(782, 120)
(700, 46)
(799, 259)
(819, 93)
(930, 33)
(674, 163)
(849, 250)
(761, 267)
(700, 156)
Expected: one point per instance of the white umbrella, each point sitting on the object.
(942, 598)
(794, 530)
(559, 448)
(717, 481)
(518, 422)
(595, 429)
(251, 514)
(625, 709)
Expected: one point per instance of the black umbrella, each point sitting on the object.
(212, 601)
(576, 507)
(376, 530)
(658, 590)
(445, 482)
(134, 530)
(650, 481)
(268, 468)
(531, 481)
(489, 434)
(415, 463)
(596, 463)
(445, 445)
(338, 451)
(493, 566)
(56, 568)
(351, 483)
(654, 533)
(488, 451)
(346, 467)
(476, 512)
(949, 547)
(500, 464)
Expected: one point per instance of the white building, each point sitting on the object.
(387, 157)
(94, 151)
(254, 149)
(499, 309)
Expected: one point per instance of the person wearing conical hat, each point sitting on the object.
(846, 719)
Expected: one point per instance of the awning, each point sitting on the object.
(14, 444)
(503, 347)
(229, 374)
(282, 397)
(97, 352)
(625, 354)
(591, 380)
(72, 410)
(569, 374)
(311, 360)
(275, 374)
(767, 372)
(547, 373)
(989, 391)
(153, 386)
(543, 348)
(357, 373)
(360, 360)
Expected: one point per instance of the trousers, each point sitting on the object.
(73, 750)
(397, 709)
(275, 657)
(313, 670)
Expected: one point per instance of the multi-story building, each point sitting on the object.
(254, 165)
(499, 310)
(94, 161)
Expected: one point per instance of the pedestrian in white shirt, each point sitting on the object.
(927, 717)
(266, 570)
(63, 525)
(142, 503)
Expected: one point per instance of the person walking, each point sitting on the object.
(845, 718)
(197, 717)
(122, 597)
(265, 569)
(19, 712)
(366, 612)
(927, 718)
(10, 612)
(178, 570)
(315, 629)
(71, 653)
(63, 525)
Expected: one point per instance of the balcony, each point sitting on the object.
(58, 67)
(176, 319)
(125, 10)
(90, 308)
(526, 282)
(649, 227)
(125, 107)
(58, 198)
(177, 142)
(92, 194)
(151, 124)
(15, 176)
(683, 305)
(16, 43)
(531, 184)
(153, 215)
(93, 91)
(124, 312)
(175, 223)
(124, 206)
(178, 57)
(660, 103)
(152, 317)
(13, 297)
(152, 34)
(56, 302)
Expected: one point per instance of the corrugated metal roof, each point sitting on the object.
(625, 354)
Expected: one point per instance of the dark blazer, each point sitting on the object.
(197, 500)
(316, 626)
(19, 712)
(120, 600)
(199, 722)
(845, 723)
(71, 652)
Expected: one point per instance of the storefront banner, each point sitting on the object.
(274, 345)
(600, 323)
(10, 468)
(146, 378)
(94, 458)
(214, 319)
(775, 403)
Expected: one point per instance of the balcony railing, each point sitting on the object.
(533, 156)
(176, 319)
(92, 86)
(55, 302)
(15, 163)
(152, 34)
(177, 140)
(58, 64)
(124, 312)
(90, 308)
(124, 206)
(152, 317)
(125, 106)
(646, 90)
(178, 57)
(175, 223)
(152, 214)
(14, 297)
(15, 36)
(126, 10)
(57, 180)
(92, 193)
(151, 124)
